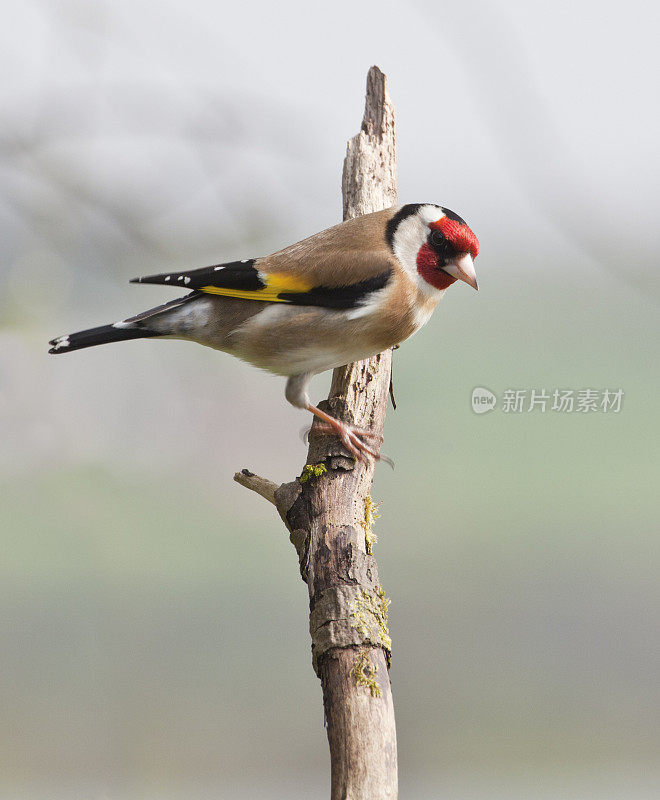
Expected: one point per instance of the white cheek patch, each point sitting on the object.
(408, 238)
(411, 234)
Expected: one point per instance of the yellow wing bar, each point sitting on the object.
(276, 283)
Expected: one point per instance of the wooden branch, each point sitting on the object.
(257, 484)
(328, 511)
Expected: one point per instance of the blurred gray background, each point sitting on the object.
(153, 623)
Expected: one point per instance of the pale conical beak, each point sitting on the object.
(463, 270)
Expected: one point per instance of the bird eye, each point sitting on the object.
(437, 238)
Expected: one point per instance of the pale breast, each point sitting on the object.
(289, 340)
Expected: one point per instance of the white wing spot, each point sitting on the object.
(63, 341)
(180, 278)
(215, 269)
(167, 277)
(186, 280)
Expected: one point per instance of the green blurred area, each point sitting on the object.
(156, 623)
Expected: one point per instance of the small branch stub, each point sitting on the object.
(257, 484)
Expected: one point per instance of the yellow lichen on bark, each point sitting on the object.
(365, 673)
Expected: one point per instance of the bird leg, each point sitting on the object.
(350, 436)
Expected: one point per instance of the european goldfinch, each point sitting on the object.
(342, 295)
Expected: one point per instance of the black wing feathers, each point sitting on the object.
(240, 275)
(337, 297)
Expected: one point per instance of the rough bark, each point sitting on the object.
(328, 512)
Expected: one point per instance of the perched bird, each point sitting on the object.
(342, 295)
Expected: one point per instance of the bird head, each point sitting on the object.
(434, 244)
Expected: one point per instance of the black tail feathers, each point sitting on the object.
(102, 335)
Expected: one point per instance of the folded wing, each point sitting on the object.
(338, 268)
(244, 280)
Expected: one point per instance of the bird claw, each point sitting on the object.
(352, 438)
